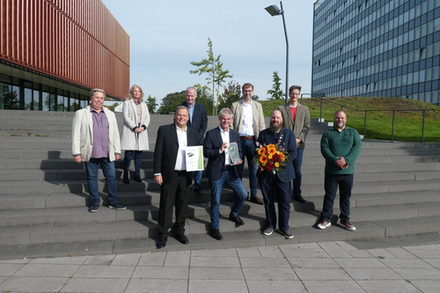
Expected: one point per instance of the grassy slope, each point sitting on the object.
(407, 124)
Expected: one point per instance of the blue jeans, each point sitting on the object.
(331, 183)
(297, 162)
(248, 148)
(128, 156)
(197, 178)
(108, 168)
(216, 193)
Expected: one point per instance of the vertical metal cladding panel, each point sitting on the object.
(3, 20)
(76, 40)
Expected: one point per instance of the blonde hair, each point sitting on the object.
(130, 92)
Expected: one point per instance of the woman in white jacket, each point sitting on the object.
(134, 133)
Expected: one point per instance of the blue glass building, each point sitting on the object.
(384, 48)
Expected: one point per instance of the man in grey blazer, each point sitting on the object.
(95, 141)
(248, 122)
(296, 117)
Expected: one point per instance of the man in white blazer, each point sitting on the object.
(248, 122)
(96, 142)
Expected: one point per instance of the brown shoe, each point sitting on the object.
(256, 200)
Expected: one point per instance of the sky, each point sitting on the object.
(166, 35)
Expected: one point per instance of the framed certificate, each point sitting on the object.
(234, 153)
(194, 158)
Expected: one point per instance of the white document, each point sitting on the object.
(194, 158)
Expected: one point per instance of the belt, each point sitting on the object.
(247, 137)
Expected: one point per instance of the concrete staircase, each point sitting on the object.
(43, 196)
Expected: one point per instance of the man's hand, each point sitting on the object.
(341, 163)
(298, 141)
(117, 157)
(158, 179)
(223, 147)
(77, 159)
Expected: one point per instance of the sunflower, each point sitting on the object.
(276, 164)
(282, 156)
(262, 151)
(263, 159)
(271, 149)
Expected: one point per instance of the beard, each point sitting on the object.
(275, 127)
(340, 125)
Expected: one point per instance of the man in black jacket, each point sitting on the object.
(276, 185)
(170, 172)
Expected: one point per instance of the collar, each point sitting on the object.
(223, 131)
(181, 129)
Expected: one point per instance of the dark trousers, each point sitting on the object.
(248, 148)
(272, 188)
(130, 155)
(174, 194)
(331, 184)
(297, 163)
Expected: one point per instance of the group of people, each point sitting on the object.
(95, 141)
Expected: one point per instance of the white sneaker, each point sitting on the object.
(323, 225)
(349, 226)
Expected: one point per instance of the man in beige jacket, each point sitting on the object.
(248, 122)
(95, 141)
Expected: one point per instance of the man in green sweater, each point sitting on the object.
(340, 147)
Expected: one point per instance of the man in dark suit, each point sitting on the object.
(170, 172)
(198, 120)
(277, 186)
(222, 169)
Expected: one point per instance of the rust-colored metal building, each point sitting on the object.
(52, 52)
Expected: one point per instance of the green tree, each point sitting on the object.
(231, 93)
(213, 67)
(204, 97)
(171, 101)
(275, 92)
(151, 104)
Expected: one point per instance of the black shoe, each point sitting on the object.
(137, 178)
(93, 208)
(197, 189)
(125, 178)
(237, 220)
(116, 206)
(256, 200)
(161, 241)
(286, 234)
(299, 198)
(181, 238)
(215, 233)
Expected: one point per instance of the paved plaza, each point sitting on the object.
(311, 267)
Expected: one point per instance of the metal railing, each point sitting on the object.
(393, 113)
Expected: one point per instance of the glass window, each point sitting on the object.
(36, 98)
(60, 103)
(45, 101)
(28, 99)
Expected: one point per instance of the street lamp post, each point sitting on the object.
(274, 10)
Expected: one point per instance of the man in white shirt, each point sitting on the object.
(170, 172)
(248, 122)
(222, 169)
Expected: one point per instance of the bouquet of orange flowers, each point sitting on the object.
(271, 158)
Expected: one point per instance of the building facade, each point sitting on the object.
(377, 48)
(52, 52)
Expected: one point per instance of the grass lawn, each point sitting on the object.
(408, 116)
